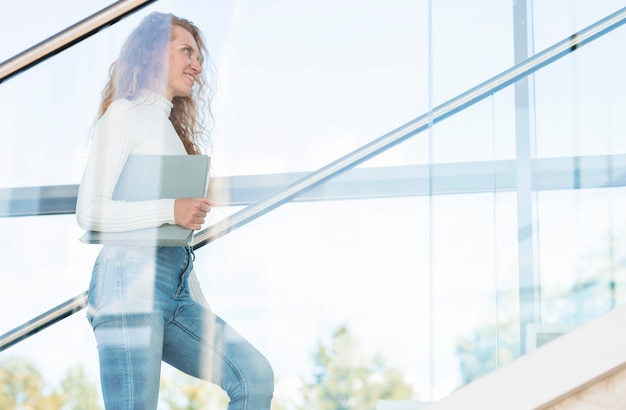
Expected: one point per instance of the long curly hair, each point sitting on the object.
(142, 63)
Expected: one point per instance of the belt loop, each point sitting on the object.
(191, 252)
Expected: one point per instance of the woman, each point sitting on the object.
(145, 304)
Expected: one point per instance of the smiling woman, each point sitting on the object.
(184, 65)
(145, 304)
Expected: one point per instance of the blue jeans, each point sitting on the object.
(145, 306)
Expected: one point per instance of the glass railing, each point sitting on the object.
(417, 278)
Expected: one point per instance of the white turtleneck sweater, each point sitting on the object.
(127, 127)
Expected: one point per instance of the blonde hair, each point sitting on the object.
(142, 63)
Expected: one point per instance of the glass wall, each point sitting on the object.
(411, 275)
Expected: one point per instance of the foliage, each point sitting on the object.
(483, 350)
(78, 392)
(346, 379)
(22, 387)
(182, 392)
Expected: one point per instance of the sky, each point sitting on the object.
(298, 85)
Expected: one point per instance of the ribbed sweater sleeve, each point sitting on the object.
(119, 132)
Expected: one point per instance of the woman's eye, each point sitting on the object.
(187, 51)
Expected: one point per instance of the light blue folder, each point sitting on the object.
(148, 177)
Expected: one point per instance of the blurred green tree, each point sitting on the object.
(345, 379)
(180, 391)
(22, 387)
(78, 392)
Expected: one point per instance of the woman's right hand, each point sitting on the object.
(190, 213)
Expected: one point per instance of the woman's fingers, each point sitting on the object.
(190, 213)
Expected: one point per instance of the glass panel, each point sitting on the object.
(581, 258)
(423, 287)
(579, 101)
(292, 278)
(352, 87)
(474, 280)
(43, 265)
(315, 80)
(554, 21)
(471, 42)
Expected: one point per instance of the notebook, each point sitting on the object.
(148, 177)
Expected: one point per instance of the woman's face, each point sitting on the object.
(184, 63)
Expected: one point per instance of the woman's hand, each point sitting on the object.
(191, 212)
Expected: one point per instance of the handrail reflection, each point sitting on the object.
(351, 160)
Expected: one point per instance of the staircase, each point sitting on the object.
(585, 369)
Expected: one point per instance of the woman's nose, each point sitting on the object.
(195, 65)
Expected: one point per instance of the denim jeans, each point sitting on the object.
(145, 306)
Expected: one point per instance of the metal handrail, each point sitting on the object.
(70, 36)
(354, 158)
(47, 319)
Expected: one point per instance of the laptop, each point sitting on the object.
(148, 177)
